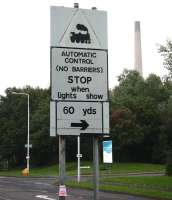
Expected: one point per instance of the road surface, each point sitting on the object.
(26, 188)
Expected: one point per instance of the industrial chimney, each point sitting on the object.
(138, 49)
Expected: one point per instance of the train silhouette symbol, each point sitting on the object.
(81, 35)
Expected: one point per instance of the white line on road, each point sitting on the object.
(40, 183)
(44, 197)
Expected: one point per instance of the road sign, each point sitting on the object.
(81, 28)
(79, 71)
(79, 155)
(107, 151)
(74, 118)
(79, 74)
(30, 145)
(53, 119)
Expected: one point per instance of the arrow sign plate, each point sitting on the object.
(74, 118)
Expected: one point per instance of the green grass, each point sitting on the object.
(45, 171)
(157, 182)
(159, 187)
(132, 168)
(71, 169)
(117, 168)
(14, 172)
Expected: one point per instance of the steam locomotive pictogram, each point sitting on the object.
(81, 35)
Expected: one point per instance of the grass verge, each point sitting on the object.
(71, 169)
(159, 187)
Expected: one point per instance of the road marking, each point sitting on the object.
(44, 197)
(40, 183)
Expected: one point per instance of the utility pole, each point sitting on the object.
(28, 128)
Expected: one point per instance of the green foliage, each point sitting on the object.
(137, 124)
(169, 163)
(169, 169)
(13, 129)
(166, 52)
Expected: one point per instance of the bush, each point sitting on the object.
(169, 163)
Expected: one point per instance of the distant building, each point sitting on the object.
(138, 49)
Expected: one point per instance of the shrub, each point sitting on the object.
(169, 163)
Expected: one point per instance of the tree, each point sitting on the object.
(44, 148)
(166, 52)
(139, 102)
(13, 129)
(167, 126)
(123, 134)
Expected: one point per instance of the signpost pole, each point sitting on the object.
(78, 155)
(62, 159)
(28, 128)
(96, 167)
(28, 137)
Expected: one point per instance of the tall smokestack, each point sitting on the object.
(138, 49)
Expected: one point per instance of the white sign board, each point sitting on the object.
(53, 119)
(30, 145)
(74, 118)
(79, 74)
(107, 151)
(81, 28)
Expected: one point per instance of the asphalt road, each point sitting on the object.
(12, 188)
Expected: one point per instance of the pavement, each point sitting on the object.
(27, 188)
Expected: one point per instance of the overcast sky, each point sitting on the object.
(25, 37)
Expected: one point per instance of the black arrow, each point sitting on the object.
(83, 124)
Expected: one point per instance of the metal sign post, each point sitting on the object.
(62, 164)
(96, 167)
(78, 156)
